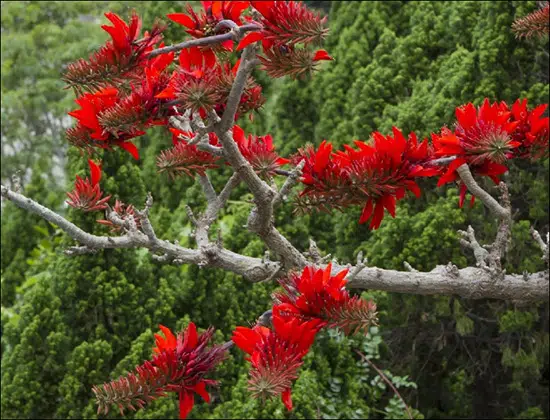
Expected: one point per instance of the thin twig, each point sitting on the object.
(385, 379)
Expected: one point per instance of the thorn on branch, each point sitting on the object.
(290, 182)
(191, 216)
(265, 319)
(452, 269)
(359, 266)
(314, 254)
(409, 267)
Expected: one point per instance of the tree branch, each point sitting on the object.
(484, 196)
(260, 220)
(209, 40)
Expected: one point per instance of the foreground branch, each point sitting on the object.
(472, 283)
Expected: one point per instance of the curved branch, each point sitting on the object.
(484, 196)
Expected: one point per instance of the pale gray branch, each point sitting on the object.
(484, 196)
(470, 282)
(290, 182)
(540, 242)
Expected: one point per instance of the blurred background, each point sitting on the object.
(71, 322)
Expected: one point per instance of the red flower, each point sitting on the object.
(532, 131)
(276, 355)
(203, 25)
(195, 82)
(315, 294)
(375, 176)
(259, 151)
(141, 108)
(89, 132)
(184, 158)
(287, 23)
(483, 135)
(179, 365)
(487, 137)
(87, 194)
(120, 59)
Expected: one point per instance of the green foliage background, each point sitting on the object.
(69, 323)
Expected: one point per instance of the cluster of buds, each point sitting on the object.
(87, 195)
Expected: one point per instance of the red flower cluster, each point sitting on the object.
(179, 365)
(284, 25)
(184, 158)
(201, 84)
(259, 151)
(315, 294)
(375, 175)
(119, 60)
(87, 194)
(276, 355)
(488, 137)
(309, 302)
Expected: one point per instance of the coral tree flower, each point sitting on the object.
(316, 294)
(186, 158)
(89, 132)
(120, 59)
(179, 364)
(276, 355)
(87, 194)
(284, 25)
(375, 176)
(487, 137)
(259, 151)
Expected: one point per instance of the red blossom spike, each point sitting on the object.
(316, 294)
(276, 355)
(184, 158)
(290, 23)
(87, 195)
(119, 60)
(259, 151)
(375, 176)
(488, 137)
(175, 367)
(204, 24)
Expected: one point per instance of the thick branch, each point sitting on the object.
(260, 220)
(470, 282)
